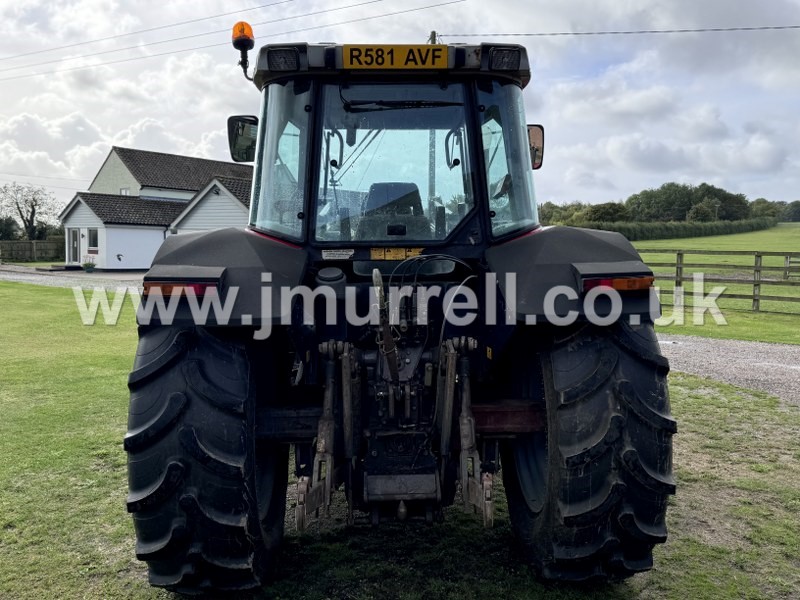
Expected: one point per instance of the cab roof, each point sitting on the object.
(401, 61)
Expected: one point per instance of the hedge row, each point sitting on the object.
(660, 231)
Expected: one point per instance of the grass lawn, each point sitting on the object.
(64, 532)
(742, 323)
(783, 238)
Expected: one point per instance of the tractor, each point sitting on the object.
(396, 326)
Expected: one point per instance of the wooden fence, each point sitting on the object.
(32, 251)
(759, 275)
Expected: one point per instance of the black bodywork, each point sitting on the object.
(540, 259)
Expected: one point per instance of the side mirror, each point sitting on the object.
(536, 142)
(242, 132)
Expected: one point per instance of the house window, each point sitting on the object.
(92, 239)
(124, 191)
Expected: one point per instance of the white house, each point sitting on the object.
(223, 202)
(139, 197)
(116, 232)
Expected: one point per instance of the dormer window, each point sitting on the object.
(124, 191)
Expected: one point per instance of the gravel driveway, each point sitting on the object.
(107, 280)
(772, 368)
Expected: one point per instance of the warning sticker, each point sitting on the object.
(338, 254)
(394, 253)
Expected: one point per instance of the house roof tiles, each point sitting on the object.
(239, 187)
(174, 172)
(112, 209)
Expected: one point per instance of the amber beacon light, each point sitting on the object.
(244, 41)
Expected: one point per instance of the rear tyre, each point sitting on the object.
(588, 497)
(207, 499)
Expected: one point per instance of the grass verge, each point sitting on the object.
(734, 524)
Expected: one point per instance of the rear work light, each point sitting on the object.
(504, 59)
(621, 284)
(168, 288)
(283, 59)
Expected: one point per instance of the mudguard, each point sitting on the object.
(562, 256)
(233, 259)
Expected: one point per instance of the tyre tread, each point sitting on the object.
(142, 437)
(192, 480)
(587, 531)
(141, 375)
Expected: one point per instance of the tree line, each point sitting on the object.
(672, 202)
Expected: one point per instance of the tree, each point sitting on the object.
(613, 212)
(30, 204)
(734, 208)
(761, 207)
(9, 230)
(703, 212)
(731, 207)
(561, 214)
(792, 212)
(670, 202)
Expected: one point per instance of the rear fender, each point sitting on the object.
(250, 265)
(564, 256)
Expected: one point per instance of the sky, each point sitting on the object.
(622, 113)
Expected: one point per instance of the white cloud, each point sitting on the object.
(703, 122)
(149, 134)
(647, 154)
(91, 19)
(32, 132)
(587, 179)
(754, 154)
(610, 98)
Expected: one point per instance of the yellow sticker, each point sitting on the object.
(489, 352)
(394, 253)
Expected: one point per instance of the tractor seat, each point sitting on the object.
(393, 198)
(393, 211)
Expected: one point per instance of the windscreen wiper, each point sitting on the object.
(376, 105)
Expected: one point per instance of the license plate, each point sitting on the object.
(428, 56)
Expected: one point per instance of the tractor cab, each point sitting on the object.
(400, 145)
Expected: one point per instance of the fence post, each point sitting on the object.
(679, 268)
(33, 243)
(757, 283)
(787, 263)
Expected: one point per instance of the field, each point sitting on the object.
(742, 322)
(784, 237)
(734, 524)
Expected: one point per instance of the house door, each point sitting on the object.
(74, 245)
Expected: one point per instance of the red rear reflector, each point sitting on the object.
(621, 284)
(168, 288)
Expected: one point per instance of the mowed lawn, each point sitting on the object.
(64, 533)
(742, 323)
